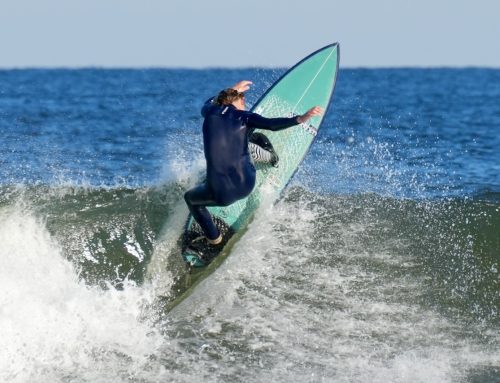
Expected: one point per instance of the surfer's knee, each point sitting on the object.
(187, 197)
(195, 195)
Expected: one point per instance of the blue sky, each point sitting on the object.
(235, 33)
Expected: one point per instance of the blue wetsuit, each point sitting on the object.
(230, 172)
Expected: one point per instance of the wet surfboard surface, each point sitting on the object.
(309, 83)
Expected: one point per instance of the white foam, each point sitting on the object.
(281, 308)
(52, 326)
(298, 316)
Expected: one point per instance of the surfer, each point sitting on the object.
(230, 171)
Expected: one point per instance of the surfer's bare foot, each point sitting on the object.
(215, 241)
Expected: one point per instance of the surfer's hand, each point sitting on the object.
(314, 111)
(242, 86)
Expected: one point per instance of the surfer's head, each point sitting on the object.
(231, 96)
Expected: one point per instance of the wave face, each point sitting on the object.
(379, 263)
(391, 288)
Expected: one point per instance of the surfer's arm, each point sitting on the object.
(257, 121)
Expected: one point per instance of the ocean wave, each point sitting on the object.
(111, 235)
(407, 283)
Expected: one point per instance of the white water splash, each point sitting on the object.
(55, 328)
(281, 308)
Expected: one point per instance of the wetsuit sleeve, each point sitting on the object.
(255, 120)
(207, 105)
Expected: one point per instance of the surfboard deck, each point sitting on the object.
(309, 83)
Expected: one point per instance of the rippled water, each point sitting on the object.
(379, 264)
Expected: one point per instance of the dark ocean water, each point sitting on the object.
(379, 264)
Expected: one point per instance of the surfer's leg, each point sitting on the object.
(197, 199)
(262, 150)
(260, 155)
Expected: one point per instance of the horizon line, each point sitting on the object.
(250, 67)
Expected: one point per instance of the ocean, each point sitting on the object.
(380, 262)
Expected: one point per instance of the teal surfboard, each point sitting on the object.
(309, 83)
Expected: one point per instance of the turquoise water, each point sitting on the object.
(379, 264)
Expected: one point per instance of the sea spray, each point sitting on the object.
(53, 326)
(350, 293)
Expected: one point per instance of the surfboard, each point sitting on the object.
(309, 83)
